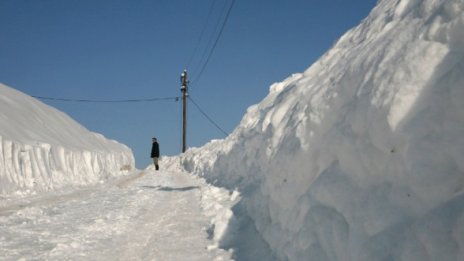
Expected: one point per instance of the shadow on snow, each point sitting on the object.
(163, 188)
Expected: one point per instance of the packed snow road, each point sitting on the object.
(148, 216)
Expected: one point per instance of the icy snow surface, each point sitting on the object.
(152, 215)
(360, 157)
(43, 149)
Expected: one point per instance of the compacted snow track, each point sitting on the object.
(150, 216)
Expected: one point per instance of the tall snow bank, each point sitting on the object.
(361, 156)
(42, 148)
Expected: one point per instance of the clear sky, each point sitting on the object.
(123, 49)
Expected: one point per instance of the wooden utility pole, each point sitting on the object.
(183, 89)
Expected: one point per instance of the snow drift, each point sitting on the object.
(361, 156)
(42, 148)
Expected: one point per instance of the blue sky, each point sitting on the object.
(122, 49)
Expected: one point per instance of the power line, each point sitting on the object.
(207, 117)
(106, 101)
(213, 2)
(213, 35)
(215, 42)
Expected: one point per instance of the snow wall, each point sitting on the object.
(361, 157)
(42, 149)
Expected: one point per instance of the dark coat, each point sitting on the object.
(155, 151)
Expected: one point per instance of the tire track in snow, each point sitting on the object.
(173, 227)
(149, 216)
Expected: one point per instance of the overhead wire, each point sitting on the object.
(212, 36)
(206, 53)
(200, 38)
(207, 117)
(211, 51)
(106, 101)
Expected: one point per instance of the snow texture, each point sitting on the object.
(152, 215)
(43, 149)
(360, 157)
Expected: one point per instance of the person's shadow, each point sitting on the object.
(163, 188)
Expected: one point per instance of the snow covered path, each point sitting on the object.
(150, 216)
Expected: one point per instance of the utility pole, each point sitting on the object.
(184, 82)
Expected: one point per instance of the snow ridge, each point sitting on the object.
(360, 156)
(42, 149)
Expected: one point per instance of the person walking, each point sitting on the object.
(155, 153)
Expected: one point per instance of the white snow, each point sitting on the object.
(43, 149)
(360, 157)
(148, 216)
